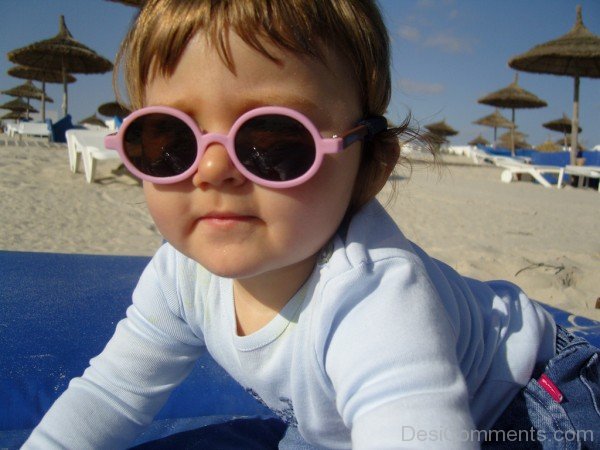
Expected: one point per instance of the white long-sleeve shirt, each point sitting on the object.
(383, 347)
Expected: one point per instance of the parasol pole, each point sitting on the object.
(575, 122)
(512, 135)
(65, 92)
(43, 101)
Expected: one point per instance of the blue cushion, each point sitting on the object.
(559, 159)
(592, 157)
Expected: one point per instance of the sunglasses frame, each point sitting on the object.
(362, 131)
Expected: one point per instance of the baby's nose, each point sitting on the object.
(216, 168)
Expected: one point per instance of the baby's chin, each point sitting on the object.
(229, 266)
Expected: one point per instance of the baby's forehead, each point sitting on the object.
(351, 28)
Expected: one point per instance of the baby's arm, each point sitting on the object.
(151, 352)
(392, 361)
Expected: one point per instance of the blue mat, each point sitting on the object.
(57, 312)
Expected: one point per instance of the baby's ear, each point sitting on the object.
(388, 155)
(374, 171)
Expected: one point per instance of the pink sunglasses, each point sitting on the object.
(272, 146)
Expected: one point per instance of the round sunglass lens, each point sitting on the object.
(160, 145)
(275, 147)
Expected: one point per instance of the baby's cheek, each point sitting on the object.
(163, 209)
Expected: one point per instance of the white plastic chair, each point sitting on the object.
(90, 145)
(513, 167)
(583, 172)
(73, 151)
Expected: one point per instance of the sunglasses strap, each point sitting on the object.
(365, 130)
(374, 125)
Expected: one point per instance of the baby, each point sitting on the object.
(260, 139)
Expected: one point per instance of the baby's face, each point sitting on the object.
(231, 226)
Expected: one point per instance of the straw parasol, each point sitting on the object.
(113, 109)
(516, 138)
(93, 120)
(13, 115)
(28, 91)
(514, 97)
(495, 121)
(45, 76)
(479, 140)
(441, 129)
(434, 139)
(63, 53)
(549, 147)
(18, 105)
(575, 54)
(562, 125)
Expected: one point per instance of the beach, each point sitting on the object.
(544, 240)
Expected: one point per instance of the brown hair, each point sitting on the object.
(354, 28)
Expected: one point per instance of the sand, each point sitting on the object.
(544, 240)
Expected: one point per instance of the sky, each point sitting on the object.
(446, 55)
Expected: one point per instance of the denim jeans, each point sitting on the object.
(560, 406)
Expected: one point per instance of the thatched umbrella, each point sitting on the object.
(434, 139)
(515, 138)
(514, 97)
(113, 109)
(13, 115)
(563, 125)
(93, 120)
(63, 53)
(479, 140)
(441, 129)
(438, 132)
(18, 105)
(45, 76)
(28, 91)
(549, 147)
(495, 121)
(575, 54)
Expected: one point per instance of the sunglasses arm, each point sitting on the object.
(364, 131)
(111, 141)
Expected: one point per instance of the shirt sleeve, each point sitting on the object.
(391, 358)
(151, 352)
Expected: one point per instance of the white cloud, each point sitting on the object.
(409, 33)
(449, 43)
(417, 87)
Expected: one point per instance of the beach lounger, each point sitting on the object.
(481, 156)
(11, 129)
(512, 169)
(545, 168)
(73, 151)
(90, 145)
(583, 172)
(34, 129)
